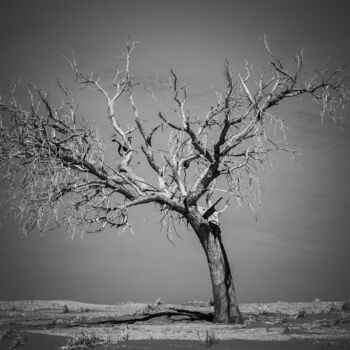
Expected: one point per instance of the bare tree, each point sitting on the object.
(59, 175)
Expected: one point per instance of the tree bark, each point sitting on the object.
(226, 309)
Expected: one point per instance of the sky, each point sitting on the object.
(298, 249)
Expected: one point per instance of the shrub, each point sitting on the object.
(65, 309)
(209, 339)
(302, 314)
(84, 340)
(334, 307)
(158, 302)
(125, 335)
(346, 306)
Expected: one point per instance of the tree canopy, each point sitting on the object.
(59, 174)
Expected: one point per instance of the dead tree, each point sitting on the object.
(59, 175)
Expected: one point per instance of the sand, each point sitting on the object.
(280, 325)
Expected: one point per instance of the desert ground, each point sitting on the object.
(39, 324)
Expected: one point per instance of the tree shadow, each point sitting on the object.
(173, 314)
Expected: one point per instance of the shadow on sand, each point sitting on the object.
(180, 315)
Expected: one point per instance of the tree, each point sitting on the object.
(59, 174)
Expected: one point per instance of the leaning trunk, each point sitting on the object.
(226, 308)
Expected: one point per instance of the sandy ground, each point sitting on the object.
(304, 325)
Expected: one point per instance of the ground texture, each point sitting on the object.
(90, 324)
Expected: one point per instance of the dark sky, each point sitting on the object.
(299, 247)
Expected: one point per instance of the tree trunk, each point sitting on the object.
(226, 308)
